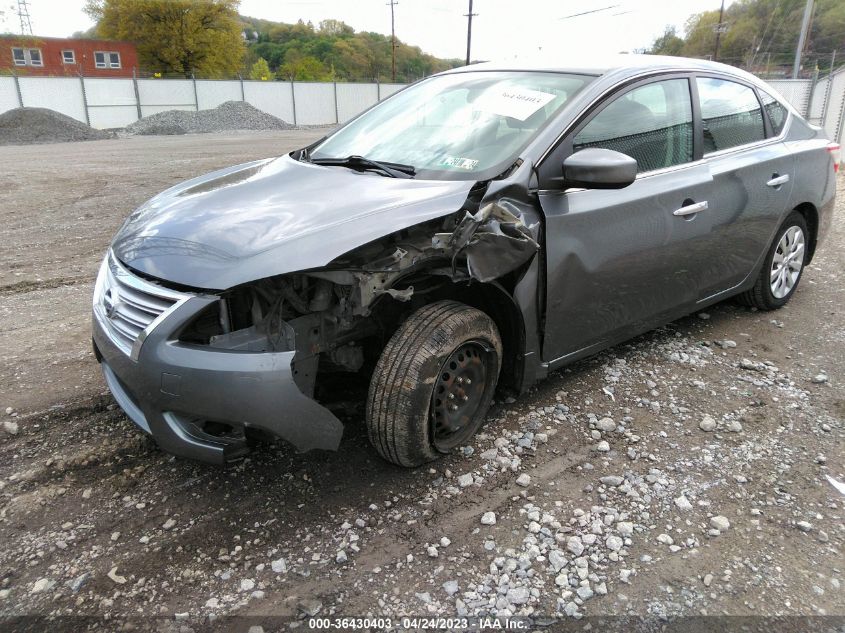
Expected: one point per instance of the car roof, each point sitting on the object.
(602, 65)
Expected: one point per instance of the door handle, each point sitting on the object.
(777, 181)
(691, 208)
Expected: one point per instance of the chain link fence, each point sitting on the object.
(820, 100)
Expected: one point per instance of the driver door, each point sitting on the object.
(619, 262)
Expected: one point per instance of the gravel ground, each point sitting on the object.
(228, 116)
(690, 472)
(24, 126)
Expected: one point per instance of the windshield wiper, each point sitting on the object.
(394, 170)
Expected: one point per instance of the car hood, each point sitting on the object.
(271, 217)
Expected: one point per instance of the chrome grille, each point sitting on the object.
(129, 307)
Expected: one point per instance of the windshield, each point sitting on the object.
(456, 126)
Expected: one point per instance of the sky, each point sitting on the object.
(503, 29)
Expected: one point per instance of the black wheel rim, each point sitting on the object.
(459, 391)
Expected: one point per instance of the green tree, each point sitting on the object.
(334, 51)
(335, 27)
(176, 36)
(668, 44)
(299, 67)
(700, 40)
(761, 34)
(260, 70)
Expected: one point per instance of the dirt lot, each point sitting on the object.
(610, 498)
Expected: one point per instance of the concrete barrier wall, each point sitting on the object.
(62, 94)
(8, 94)
(107, 103)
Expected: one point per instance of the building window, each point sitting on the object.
(105, 59)
(68, 57)
(27, 57)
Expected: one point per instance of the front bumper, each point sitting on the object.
(173, 388)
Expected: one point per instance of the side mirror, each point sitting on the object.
(596, 168)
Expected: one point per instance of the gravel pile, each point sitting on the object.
(25, 126)
(231, 115)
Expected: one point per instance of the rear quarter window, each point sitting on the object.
(776, 110)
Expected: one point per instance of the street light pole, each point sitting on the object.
(802, 39)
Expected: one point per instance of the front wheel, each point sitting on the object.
(433, 383)
(782, 268)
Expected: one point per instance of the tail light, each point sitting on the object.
(833, 148)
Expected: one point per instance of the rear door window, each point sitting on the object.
(730, 113)
(651, 123)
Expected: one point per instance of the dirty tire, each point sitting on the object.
(761, 296)
(399, 400)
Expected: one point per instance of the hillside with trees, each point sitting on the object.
(761, 35)
(209, 38)
(333, 51)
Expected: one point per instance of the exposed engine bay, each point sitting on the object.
(328, 315)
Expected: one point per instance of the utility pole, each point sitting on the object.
(469, 29)
(802, 39)
(392, 4)
(720, 28)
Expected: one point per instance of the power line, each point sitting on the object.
(468, 16)
(575, 15)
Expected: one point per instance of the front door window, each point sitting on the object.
(651, 123)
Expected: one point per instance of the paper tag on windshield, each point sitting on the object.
(460, 162)
(517, 103)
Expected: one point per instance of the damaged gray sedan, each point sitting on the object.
(473, 232)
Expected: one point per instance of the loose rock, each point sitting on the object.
(720, 523)
(707, 424)
(683, 503)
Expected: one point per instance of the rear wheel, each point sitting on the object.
(782, 268)
(433, 383)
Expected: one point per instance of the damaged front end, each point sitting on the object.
(328, 316)
(494, 241)
(285, 355)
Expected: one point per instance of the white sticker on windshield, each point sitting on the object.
(460, 162)
(517, 103)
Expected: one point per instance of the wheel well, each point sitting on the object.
(490, 298)
(811, 216)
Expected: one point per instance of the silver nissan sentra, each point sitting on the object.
(474, 231)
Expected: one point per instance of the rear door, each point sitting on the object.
(752, 170)
(618, 262)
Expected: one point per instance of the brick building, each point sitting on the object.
(52, 56)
